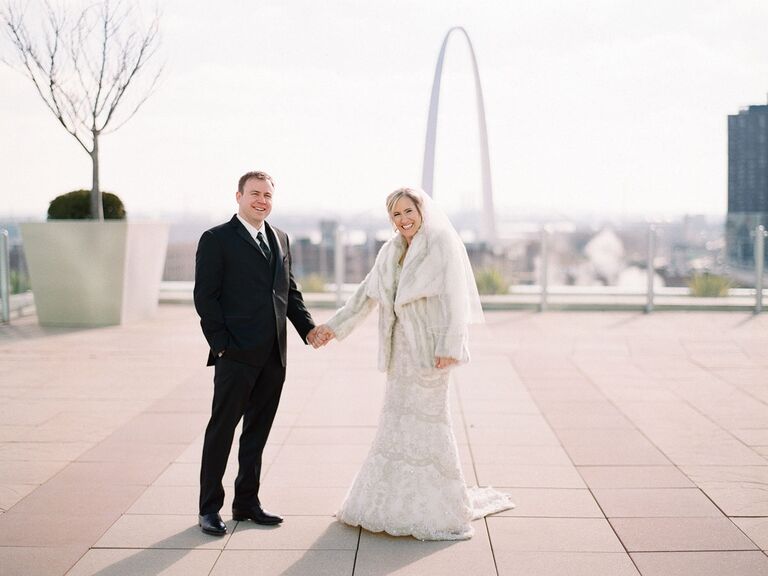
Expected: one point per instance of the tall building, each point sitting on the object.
(747, 182)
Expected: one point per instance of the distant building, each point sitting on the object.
(747, 182)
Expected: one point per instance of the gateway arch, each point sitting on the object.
(428, 171)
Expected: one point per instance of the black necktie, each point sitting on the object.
(264, 247)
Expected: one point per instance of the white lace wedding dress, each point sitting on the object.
(411, 482)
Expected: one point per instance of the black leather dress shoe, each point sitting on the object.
(256, 514)
(212, 524)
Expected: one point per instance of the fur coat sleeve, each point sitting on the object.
(419, 301)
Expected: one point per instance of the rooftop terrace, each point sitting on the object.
(632, 444)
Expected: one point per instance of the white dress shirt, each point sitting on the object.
(253, 231)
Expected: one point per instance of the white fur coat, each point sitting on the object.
(418, 301)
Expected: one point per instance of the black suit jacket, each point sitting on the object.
(242, 301)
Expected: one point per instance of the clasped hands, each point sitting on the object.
(319, 336)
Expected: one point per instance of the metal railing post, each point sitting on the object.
(5, 277)
(544, 280)
(649, 268)
(339, 263)
(760, 234)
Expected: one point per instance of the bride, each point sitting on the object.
(411, 482)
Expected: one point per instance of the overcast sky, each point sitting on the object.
(593, 106)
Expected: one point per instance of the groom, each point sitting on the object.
(244, 290)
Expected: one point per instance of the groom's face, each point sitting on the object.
(255, 201)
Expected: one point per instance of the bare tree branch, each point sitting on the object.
(90, 67)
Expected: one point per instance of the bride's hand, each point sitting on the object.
(444, 361)
(323, 335)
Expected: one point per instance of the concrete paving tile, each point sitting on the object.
(516, 455)
(503, 421)
(188, 474)
(285, 563)
(382, 554)
(161, 531)
(538, 436)
(296, 533)
(739, 501)
(14, 433)
(634, 477)
(169, 428)
(551, 503)
(383, 542)
(113, 451)
(174, 404)
(678, 534)
(529, 476)
(613, 454)
(543, 366)
(737, 490)
(752, 436)
(565, 382)
(10, 494)
(517, 563)
(320, 435)
(24, 412)
(521, 403)
(762, 450)
(109, 473)
(645, 393)
(63, 499)
(715, 359)
(701, 563)
(592, 415)
(621, 447)
(671, 416)
(37, 561)
(725, 476)
(169, 500)
(580, 393)
(29, 472)
(755, 528)
(718, 448)
(52, 530)
(552, 535)
(78, 427)
(655, 502)
(310, 474)
(42, 451)
(117, 562)
(329, 453)
(303, 500)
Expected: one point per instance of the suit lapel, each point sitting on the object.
(278, 250)
(243, 233)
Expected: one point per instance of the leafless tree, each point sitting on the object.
(86, 64)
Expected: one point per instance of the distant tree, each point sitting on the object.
(85, 64)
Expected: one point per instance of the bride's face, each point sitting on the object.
(406, 218)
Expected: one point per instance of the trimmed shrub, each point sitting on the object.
(313, 283)
(76, 205)
(491, 281)
(709, 285)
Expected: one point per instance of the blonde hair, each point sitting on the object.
(409, 193)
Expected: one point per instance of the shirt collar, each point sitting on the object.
(252, 230)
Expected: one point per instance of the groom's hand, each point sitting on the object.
(320, 336)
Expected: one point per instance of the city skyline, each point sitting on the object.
(593, 108)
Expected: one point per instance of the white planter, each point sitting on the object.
(86, 273)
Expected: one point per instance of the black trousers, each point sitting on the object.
(253, 394)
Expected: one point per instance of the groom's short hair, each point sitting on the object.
(255, 174)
